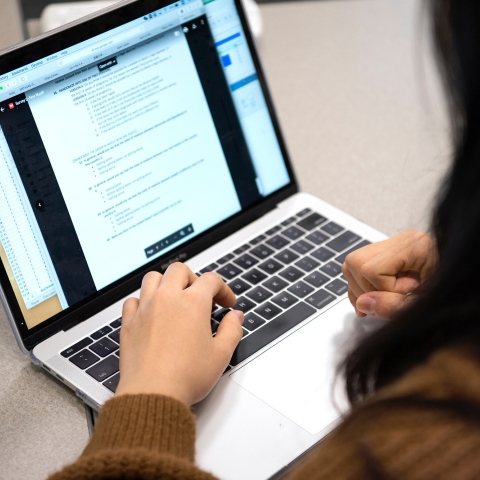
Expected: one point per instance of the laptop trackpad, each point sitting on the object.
(296, 376)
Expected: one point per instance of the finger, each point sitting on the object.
(178, 275)
(353, 301)
(130, 307)
(229, 334)
(382, 271)
(355, 260)
(352, 282)
(404, 256)
(352, 298)
(150, 283)
(382, 304)
(407, 282)
(212, 285)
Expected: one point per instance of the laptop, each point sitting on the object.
(146, 135)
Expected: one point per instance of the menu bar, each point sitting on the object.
(97, 48)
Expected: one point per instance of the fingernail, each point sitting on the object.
(239, 315)
(366, 305)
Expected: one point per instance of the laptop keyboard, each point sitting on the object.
(280, 278)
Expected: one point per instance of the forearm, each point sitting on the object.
(139, 436)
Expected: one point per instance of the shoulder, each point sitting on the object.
(424, 425)
(400, 439)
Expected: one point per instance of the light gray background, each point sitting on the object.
(361, 110)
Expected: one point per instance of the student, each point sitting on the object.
(414, 385)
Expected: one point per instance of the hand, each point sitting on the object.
(381, 276)
(166, 340)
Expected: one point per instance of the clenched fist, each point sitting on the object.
(381, 276)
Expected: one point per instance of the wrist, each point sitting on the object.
(152, 388)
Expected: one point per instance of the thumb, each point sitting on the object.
(230, 331)
(381, 304)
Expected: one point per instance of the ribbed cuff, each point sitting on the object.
(152, 422)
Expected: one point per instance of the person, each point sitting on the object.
(414, 384)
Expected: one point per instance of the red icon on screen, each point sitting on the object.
(11, 106)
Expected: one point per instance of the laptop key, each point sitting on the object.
(239, 286)
(312, 221)
(333, 269)
(288, 221)
(259, 294)
(241, 249)
(338, 287)
(104, 347)
(320, 299)
(253, 321)
(77, 347)
(261, 252)
(104, 369)
(226, 258)
(244, 304)
(115, 336)
(285, 300)
(278, 242)
(303, 212)
(332, 228)
(116, 323)
(269, 332)
(101, 333)
(345, 240)
(229, 271)
(112, 382)
(273, 230)
(246, 261)
(258, 239)
(301, 289)
(308, 264)
(275, 284)
(317, 279)
(218, 316)
(286, 256)
(84, 359)
(254, 276)
(268, 311)
(214, 326)
(323, 254)
(271, 266)
(291, 274)
(209, 268)
(341, 258)
(293, 233)
(317, 238)
(302, 247)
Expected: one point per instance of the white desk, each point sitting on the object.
(366, 131)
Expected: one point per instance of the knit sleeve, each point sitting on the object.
(403, 441)
(139, 437)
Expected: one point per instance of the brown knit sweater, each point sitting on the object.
(153, 437)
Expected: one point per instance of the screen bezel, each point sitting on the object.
(84, 29)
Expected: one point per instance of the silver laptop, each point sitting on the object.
(143, 136)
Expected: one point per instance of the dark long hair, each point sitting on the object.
(446, 312)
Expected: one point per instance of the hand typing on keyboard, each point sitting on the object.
(381, 276)
(166, 338)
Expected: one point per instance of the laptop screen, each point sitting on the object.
(120, 148)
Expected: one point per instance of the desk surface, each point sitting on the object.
(364, 122)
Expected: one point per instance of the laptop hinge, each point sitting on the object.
(34, 359)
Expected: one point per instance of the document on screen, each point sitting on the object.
(136, 154)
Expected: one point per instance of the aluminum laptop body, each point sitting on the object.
(146, 135)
